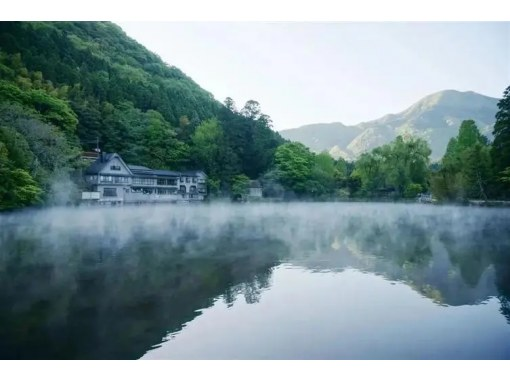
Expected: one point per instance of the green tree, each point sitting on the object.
(240, 185)
(17, 187)
(466, 166)
(354, 184)
(52, 110)
(396, 167)
(88, 81)
(160, 148)
(322, 179)
(368, 168)
(477, 170)
(500, 152)
(505, 175)
(207, 142)
(36, 147)
(412, 190)
(294, 162)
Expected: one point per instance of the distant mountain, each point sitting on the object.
(319, 137)
(436, 118)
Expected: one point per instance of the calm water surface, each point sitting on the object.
(279, 281)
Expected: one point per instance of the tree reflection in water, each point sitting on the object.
(112, 284)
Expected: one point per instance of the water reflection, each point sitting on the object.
(115, 283)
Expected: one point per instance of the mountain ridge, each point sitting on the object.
(435, 117)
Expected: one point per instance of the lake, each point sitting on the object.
(256, 281)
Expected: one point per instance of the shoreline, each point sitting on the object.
(226, 201)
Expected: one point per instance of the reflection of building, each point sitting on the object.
(111, 181)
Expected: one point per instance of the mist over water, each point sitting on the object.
(296, 280)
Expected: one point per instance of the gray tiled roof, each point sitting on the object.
(192, 172)
(138, 167)
(166, 173)
(137, 170)
(99, 164)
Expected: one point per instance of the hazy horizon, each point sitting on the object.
(350, 72)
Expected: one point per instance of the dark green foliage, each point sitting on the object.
(240, 184)
(52, 110)
(249, 135)
(500, 152)
(470, 169)
(66, 85)
(323, 175)
(207, 152)
(108, 66)
(17, 187)
(465, 171)
(41, 149)
(398, 169)
(304, 174)
(294, 163)
(89, 82)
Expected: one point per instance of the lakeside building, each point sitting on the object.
(111, 181)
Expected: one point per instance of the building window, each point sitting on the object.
(144, 181)
(193, 189)
(121, 179)
(106, 178)
(115, 167)
(181, 179)
(188, 179)
(182, 189)
(194, 179)
(109, 192)
(167, 181)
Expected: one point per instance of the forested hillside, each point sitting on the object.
(66, 85)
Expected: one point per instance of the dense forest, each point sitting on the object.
(67, 86)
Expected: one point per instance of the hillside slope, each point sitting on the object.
(83, 82)
(436, 118)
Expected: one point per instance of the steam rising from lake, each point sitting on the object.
(305, 226)
(118, 280)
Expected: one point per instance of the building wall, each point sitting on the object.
(115, 186)
(117, 163)
(120, 190)
(255, 192)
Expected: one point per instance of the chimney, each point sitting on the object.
(103, 156)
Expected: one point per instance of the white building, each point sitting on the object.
(111, 181)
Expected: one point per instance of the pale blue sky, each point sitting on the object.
(304, 73)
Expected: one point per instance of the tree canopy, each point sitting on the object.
(76, 83)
